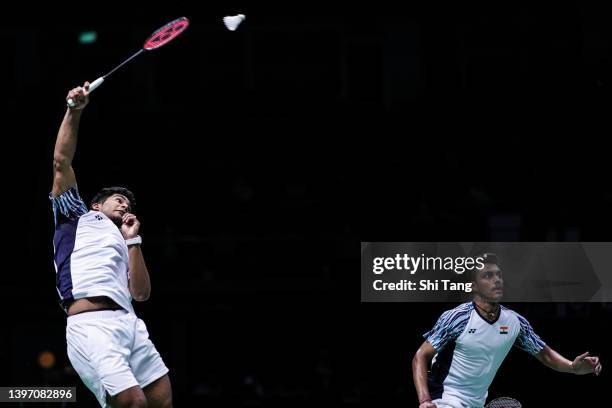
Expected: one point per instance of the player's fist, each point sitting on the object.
(78, 97)
(129, 226)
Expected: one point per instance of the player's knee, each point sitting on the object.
(138, 403)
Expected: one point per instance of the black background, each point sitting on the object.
(260, 157)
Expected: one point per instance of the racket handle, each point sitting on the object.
(92, 86)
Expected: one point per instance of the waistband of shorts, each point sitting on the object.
(95, 315)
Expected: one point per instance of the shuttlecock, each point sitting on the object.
(232, 22)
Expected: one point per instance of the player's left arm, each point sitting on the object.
(583, 364)
(530, 342)
(139, 284)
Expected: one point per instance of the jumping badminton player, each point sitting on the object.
(99, 269)
(469, 343)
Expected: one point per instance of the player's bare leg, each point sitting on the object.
(159, 393)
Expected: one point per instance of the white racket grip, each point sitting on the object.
(95, 84)
(92, 86)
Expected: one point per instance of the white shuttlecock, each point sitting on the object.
(232, 22)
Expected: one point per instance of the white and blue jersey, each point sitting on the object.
(90, 254)
(470, 350)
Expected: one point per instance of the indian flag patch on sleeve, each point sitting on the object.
(503, 329)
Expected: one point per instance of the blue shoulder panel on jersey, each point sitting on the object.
(69, 204)
(449, 326)
(527, 339)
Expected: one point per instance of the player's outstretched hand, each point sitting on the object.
(585, 364)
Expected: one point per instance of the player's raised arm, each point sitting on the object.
(65, 144)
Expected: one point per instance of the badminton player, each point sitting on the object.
(99, 270)
(469, 343)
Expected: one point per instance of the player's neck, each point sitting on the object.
(486, 305)
(488, 309)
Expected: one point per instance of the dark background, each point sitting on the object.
(260, 157)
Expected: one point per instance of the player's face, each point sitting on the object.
(114, 207)
(489, 283)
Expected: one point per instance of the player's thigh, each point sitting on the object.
(99, 354)
(145, 361)
(159, 393)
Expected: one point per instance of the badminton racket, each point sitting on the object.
(503, 402)
(160, 37)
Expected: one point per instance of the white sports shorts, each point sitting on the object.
(448, 402)
(111, 352)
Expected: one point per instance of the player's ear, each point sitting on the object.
(95, 206)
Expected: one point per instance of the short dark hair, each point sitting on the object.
(106, 192)
(487, 258)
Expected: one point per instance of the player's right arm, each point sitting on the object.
(420, 363)
(65, 144)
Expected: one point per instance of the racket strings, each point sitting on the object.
(166, 34)
(504, 402)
